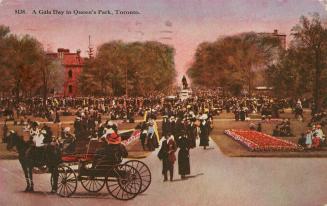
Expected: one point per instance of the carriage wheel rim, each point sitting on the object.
(67, 181)
(145, 173)
(93, 185)
(117, 190)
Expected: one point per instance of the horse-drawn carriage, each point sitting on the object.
(123, 181)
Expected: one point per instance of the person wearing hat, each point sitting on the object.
(315, 141)
(69, 141)
(308, 139)
(38, 139)
(151, 136)
(36, 149)
(144, 131)
(320, 133)
(191, 131)
(183, 155)
(48, 135)
(167, 155)
(113, 152)
(204, 132)
(165, 126)
(34, 130)
(171, 127)
(302, 139)
(111, 124)
(78, 127)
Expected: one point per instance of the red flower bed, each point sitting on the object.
(257, 141)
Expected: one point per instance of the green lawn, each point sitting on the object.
(233, 149)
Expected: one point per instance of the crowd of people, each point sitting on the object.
(313, 138)
(182, 121)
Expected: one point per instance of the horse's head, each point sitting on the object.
(12, 140)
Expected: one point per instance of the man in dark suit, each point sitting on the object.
(167, 155)
(165, 126)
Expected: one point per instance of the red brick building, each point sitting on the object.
(73, 65)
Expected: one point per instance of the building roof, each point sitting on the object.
(67, 58)
(72, 59)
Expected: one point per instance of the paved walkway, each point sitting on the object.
(216, 180)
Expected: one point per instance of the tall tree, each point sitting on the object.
(310, 38)
(129, 68)
(50, 74)
(232, 61)
(24, 53)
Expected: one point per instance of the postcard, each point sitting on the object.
(166, 102)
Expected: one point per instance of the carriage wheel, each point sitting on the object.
(124, 182)
(93, 184)
(144, 172)
(67, 181)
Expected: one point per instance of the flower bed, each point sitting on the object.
(257, 141)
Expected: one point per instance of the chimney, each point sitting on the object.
(61, 52)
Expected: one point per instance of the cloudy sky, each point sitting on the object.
(181, 23)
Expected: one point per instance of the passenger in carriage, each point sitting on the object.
(113, 152)
(69, 141)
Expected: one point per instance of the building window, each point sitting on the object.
(70, 89)
(70, 74)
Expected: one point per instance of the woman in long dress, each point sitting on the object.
(204, 133)
(183, 156)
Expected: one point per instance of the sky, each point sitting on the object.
(181, 23)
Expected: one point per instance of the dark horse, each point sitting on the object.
(52, 158)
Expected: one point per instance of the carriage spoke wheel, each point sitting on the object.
(93, 184)
(124, 182)
(67, 181)
(144, 172)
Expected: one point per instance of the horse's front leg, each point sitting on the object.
(25, 170)
(30, 174)
(54, 181)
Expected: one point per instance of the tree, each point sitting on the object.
(25, 67)
(310, 38)
(24, 56)
(291, 76)
(232, 61)
(128, 68)
(5, 79)
(50, 74)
